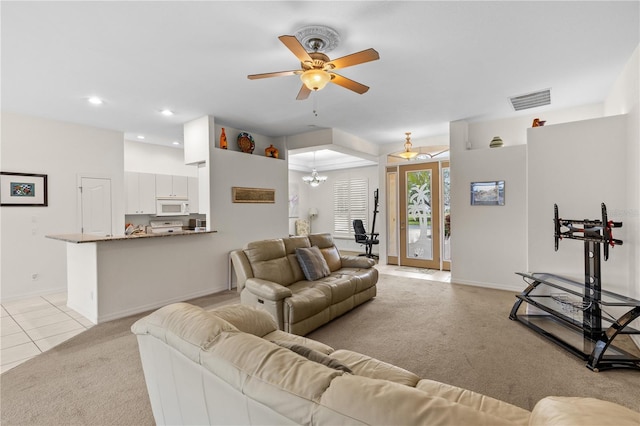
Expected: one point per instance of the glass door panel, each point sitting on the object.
(446, 216)
(392, 216)
(420, 215)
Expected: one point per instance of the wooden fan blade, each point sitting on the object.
(355, 59)
(303, 93)
(349, 84)
(295, 47)
(272, 74)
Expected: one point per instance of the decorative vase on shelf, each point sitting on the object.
(223, 139)
(538, 123)
(272, 152)
(496, 142)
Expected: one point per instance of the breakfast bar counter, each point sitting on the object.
(117, 276)
(88, 238)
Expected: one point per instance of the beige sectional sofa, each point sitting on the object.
(232, 365)
(270, 276)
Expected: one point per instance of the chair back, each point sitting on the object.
(358, 229)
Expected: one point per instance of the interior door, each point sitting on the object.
(95, 194)
(419, 204)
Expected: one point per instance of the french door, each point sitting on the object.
(419, 204)
(418, 210)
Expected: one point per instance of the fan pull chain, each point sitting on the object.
(315, 103)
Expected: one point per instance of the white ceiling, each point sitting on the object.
(439, 61)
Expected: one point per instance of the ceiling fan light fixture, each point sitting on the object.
(315, 79)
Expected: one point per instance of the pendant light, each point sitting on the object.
(407, 153)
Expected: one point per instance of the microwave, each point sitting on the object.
(172, 207)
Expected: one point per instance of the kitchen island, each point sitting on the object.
(117, 276)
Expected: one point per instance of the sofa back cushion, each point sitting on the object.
(387, 403)
(323, 240)
(332, 257)
(328, 249)
(269, 261)
(269, 374)
(290, 246)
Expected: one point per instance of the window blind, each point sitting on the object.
(350, 202)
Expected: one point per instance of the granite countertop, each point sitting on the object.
(87, 238)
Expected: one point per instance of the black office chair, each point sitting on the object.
(363, 238)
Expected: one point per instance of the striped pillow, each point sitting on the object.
(312, 263)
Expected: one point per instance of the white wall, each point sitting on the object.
(513, 131)
(577, 166)
(559, 168)
(489, 246)
(321, 198)
(624, 98)
(237, 224)
(62, 151)
(488, 243)
(147, 158)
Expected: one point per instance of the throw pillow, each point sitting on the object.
(315, 356)
(312, 263)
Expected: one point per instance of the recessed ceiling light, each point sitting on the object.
(95, 100)
(176, 143)
(140, 136)
(166, 112)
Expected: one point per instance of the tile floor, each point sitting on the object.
(34, 325)
(419, 273)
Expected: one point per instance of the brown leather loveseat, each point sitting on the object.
(302, 287)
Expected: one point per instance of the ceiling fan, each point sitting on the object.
(317, 68)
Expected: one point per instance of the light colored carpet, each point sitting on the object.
(452, 333)
(462, 335)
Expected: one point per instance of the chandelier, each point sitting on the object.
(315, 179)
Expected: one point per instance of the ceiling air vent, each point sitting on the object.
(531, 100)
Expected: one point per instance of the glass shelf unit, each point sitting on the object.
(580, 320)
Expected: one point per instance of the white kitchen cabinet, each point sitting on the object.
(140, 191)
(169, 186)
(194, 205)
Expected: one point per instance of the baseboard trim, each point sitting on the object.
(155, 305)
(494, 286)
(33, 294)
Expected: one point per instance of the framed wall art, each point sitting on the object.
(253, 195)
(487, 193)
(23, 189)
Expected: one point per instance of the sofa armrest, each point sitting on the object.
(357, 262)
(267, 289)
(559, 410)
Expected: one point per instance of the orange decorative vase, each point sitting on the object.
(272, 151)
(223, 139)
